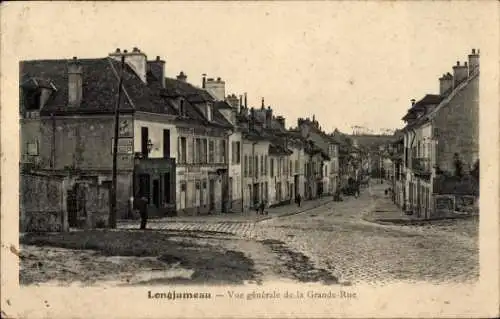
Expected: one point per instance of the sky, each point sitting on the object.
(347, 63)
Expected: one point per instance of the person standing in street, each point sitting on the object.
(298, 200)
(141, 204)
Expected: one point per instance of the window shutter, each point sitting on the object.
(190, 150)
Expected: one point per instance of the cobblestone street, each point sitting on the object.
(334, 240)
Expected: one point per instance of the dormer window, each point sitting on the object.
(182, 110)
(36, 93)
(32, 99)
(209, 111)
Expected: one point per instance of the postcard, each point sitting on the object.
(250, 159)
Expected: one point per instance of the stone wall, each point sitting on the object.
(42, 203)
(457, 126)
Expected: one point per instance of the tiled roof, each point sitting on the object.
(422, 105)
(100, 78)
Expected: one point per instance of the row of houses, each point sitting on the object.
(188, 149)
(433, 162)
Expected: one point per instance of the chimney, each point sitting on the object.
(262, 104)
(157, 68)
(216, 88)
(252, 117)
(473, 61)
(203, 80)
(281, 120)
(246, 105)
(182, 77)
(460, 73)
(75, 82)
(445, 83)
(269, 117)
(136, 59)
(412, 102)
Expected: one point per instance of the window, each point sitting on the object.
(261, 165)
(204, 150)
(290, 171)
(250, 166)
(182, 150)
(235, 152)
(256, 163)
(223, 151)
(166, 143)
(265, 165)
(211, 152)
(272, 167)
(199, 152)
(296, 166)
(32, 100)
(245, 166)
(144, 141)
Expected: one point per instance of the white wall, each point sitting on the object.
(156, 135)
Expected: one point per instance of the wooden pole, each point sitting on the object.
(113, 213)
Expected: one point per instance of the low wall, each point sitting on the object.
(42, 201)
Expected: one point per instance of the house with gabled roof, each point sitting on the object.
(172, 138)
(441, 142)
(329, 169)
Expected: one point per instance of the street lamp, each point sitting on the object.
(150, 146)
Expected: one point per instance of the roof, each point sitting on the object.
(100, 79)
(422, 105)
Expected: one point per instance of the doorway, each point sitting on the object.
(211, 192)
(156, 193)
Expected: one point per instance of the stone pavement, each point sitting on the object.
(241, 224)
(383, 208)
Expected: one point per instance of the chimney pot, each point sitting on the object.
(157, 58)
(218, 79)
(135, 49)
(458, 63)
(74, 58)
(117, 50)
(473, 51)
(125, 51)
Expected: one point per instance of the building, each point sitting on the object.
(311, 131)
(441, 143)
(173, 137)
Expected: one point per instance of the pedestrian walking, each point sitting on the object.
(298, 199)
(262, 206)
(141, 204)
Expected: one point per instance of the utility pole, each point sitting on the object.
(112, 213)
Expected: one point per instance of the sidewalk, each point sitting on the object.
(249, 216)
(383, 210)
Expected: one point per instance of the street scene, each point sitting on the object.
(146, 165)
(326, 242)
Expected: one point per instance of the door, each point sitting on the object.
(198, 194)
(255, 194)
(230, 202)
(211, 194)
